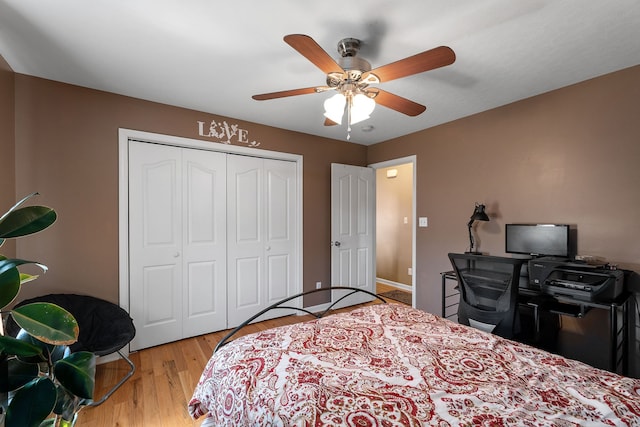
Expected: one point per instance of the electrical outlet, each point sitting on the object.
(423, 221)
(318, 285)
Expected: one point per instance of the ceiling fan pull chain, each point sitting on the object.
(349, 105)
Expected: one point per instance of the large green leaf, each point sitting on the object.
(25, 221)
(19, 374)
(9, 263)
(50, 352)
(77, 373)
(32, 403)
(9, 286)
(18, 347)
(17, 205)
(47, 322)
(11, 278)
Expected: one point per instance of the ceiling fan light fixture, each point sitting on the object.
(334, 108)
(361, 108)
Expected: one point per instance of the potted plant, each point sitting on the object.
(42, 376)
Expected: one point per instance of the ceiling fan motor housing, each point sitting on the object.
(348, 47)
(352, 65)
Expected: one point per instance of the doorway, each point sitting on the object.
(395, 229)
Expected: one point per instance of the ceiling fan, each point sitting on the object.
(351, 77)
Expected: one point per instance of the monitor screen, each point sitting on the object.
(537, 239)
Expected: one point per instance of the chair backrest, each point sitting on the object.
(488, 292)
(104, 326)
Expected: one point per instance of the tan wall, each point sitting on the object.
(394, 219)
(68, 137)
(7, 144)
(567, 156)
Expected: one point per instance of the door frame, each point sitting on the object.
(413, 159)
(124, 135)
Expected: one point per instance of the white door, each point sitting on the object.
(177, 242)
(261, 235)
(352, 229)
(155, 242)
(204, 243)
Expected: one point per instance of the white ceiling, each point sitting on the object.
(211, 56)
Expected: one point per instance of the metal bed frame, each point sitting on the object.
(280, 305)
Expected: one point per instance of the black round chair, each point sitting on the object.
(105, 328)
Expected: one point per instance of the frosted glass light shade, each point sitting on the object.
(361, 108)
(334, 108)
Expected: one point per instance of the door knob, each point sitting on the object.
(176, 255)
(268, 248)
(336, 244)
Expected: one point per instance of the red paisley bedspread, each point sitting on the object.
(392, 365)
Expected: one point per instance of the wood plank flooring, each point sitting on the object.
(158, 393)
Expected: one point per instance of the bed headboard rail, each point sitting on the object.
(281, 305)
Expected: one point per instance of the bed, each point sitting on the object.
(393, 365)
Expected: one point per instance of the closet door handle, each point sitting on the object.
(268, 248)
(176, 255)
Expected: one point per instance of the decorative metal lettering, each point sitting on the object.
(225, 132)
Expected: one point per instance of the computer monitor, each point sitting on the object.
(538, 239)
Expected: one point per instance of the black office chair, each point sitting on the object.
(488, 292)
(105, 328)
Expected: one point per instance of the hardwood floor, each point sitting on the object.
(158, 393)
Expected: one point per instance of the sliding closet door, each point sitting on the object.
(177, 242)
(261, 234)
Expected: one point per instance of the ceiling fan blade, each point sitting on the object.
(329, 122)
(311, 50)
(425, 61)
(284, 93)
(398, 103)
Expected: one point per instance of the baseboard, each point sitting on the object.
(400, 286)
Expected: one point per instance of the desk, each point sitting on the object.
(562, 305)
(450, 295)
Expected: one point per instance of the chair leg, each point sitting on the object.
(117, 386)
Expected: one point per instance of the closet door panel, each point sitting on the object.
(248, 282)
(158, 282)
(201, 295)
(245, 239)
(155, 243)
(204, 242)
(247, 201)
(278, 281)
(280, 226)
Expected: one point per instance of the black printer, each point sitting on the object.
(563, 277)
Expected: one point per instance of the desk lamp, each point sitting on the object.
(478, 215)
